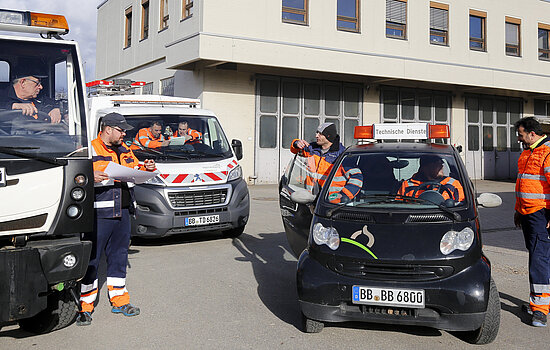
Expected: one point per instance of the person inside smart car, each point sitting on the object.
(430, 176)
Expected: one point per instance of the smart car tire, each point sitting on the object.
(489, 328)
(312, 326)
(61, 312)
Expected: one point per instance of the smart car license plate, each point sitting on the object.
(388, 296)
(202, 220)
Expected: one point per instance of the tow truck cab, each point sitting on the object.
(395, 251)
(46, 181)
(200, 185)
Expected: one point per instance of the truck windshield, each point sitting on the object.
(397, 180)
(41, 99)
(172, 138)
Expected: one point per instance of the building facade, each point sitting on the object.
(273, 70)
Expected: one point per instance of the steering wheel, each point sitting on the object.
(41, 125)
(432, 191)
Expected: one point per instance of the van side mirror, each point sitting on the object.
(237, 146)
(489, 200)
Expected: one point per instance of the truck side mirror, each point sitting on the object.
(237, 148)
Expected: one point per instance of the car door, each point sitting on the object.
(296, 217)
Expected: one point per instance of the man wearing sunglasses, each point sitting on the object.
(23, 95)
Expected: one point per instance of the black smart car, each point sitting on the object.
(389, 255)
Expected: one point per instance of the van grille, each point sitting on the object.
(187, 199)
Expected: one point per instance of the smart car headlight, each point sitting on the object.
(453, 240)
(326, 235)
(236, 173)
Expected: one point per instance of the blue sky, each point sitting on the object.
(82, 18)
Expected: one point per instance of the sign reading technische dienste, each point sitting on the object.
(405, 131)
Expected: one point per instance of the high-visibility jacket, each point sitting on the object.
(450, 187)
(319, 164)
(347, 182)
(196, 136)
(108, 197)
(532, 183)
(144, 138)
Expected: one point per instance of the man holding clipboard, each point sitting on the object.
(114, 202)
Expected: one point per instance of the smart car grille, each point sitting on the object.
(395, 272)
(186, 199)
(354, 216)
(427, 218)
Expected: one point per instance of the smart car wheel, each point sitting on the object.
(489, 328)
(312, 326)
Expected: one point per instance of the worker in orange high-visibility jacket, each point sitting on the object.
(431, 170)
(114, 203)
(345, 185)
(533, 213)
(321, 154)
(150, 137)
(191, 135)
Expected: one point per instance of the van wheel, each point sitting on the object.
(312, 326)
(233, 233)
(491, 323)
(61, 312)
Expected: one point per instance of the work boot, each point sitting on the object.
(527, 309)
(539, 319)
(83, 319)
(126, 310)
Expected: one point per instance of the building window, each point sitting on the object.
(396, 19)
(147, 89)
(187, 8)
(348, 15)
(164, 14)
(295, 11)
(544, 44)
(128, 28)
(144, 19)
(513, 36)
(542, 108)
(439, 23)
(478, 30)
(167, 86)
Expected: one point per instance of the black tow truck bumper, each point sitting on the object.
(28, 273)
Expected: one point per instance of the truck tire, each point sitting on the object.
(491, 323)
(61, 312)
(233, 233)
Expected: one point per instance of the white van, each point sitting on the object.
(200, 185)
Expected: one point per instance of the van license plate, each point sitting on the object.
(388, 296)
(202, 220)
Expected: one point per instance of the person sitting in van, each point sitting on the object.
(150, 137)
(191, 136)
(431, 170)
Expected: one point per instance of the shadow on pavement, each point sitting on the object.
(515, 309)
(176, 239)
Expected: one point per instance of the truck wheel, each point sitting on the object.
(233, 233)
(61, 312)
(312, 326)
(491, 323)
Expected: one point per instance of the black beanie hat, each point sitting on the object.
(329, 130)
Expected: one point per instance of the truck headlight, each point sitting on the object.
(155, 181)
(236, 173)
(453, 240)
(326, 235)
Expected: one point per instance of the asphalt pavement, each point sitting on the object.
(203, 292)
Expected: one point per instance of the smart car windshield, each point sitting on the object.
(172, 138)
(396, 180)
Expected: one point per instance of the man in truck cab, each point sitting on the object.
(431, 171)
(114, 203)
(23, 95)
(191, 135)
(150, 137)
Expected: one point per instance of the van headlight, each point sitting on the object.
(236, 173)
(155, 181)
(326, 235)
(453, 240)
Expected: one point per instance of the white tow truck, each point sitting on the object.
(46, 180)
(200, 185)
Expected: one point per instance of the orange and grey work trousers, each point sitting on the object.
(111, 235)
(537, 242)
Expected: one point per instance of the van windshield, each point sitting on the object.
(46, 76)
(397, 180)
(172, 138)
